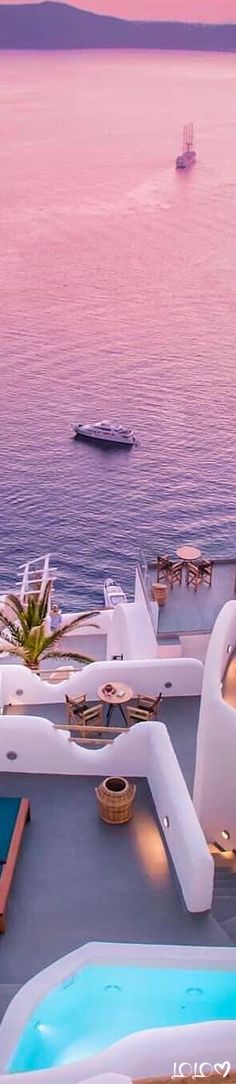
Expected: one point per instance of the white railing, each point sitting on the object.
(36, 573)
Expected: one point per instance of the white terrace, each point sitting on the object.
(126, 647)
(183, 624)
(127, 632)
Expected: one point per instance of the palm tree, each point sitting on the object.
(27, 636)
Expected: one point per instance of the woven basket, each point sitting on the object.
(115, 797)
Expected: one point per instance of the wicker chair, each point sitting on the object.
(145, 710)
(174, 573)
(75, 706)
(162, 567)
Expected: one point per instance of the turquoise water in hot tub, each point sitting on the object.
(99, 1005)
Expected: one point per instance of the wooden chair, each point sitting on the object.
(199, 573)
(145, 709)
(162, 567)
(193, 576)
(206, 570)
(89, 718)
(174, 573)
(75, 706)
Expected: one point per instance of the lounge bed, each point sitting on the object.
(14, 812)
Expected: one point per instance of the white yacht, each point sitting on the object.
(105, 433)
(113, 593)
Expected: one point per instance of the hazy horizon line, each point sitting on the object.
(120, 18)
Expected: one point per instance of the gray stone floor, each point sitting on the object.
(187, 610)
(78, 880)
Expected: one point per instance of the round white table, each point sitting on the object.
(188, 553)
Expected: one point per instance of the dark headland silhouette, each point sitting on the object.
(52, 25)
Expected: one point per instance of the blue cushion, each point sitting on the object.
(9, 809)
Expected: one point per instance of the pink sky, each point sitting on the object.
(202, 10)
(193, 10)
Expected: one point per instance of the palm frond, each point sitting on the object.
(12, 649)
(58, 635)
(28, 635)
(18, 609)
(35, 642)
(43, 603)
(83, 659)
(31, 612)
(8, 624)
(16, 605)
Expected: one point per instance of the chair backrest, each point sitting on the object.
(149, 702)
(158, 700)
(205, 566)
(95, 712)
(163, 561)
(75, 701)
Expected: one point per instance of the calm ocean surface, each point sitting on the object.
(117, 293)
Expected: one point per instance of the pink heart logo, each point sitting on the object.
(223, 1068)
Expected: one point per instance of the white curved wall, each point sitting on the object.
(40, 748)
(184, 837)
(215, 772)
(131, 633)
(144, 750)
(20, 686)
(153, 1053)
(100, 621)
(145, 1053)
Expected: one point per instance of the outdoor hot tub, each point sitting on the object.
(88, 1011)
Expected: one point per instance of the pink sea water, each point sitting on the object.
(117, 292)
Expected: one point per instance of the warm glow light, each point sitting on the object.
(225, 834)
(223, 856)
(150, 847)
(44, 1028)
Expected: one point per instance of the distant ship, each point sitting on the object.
(188, 156)
(105, 433)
